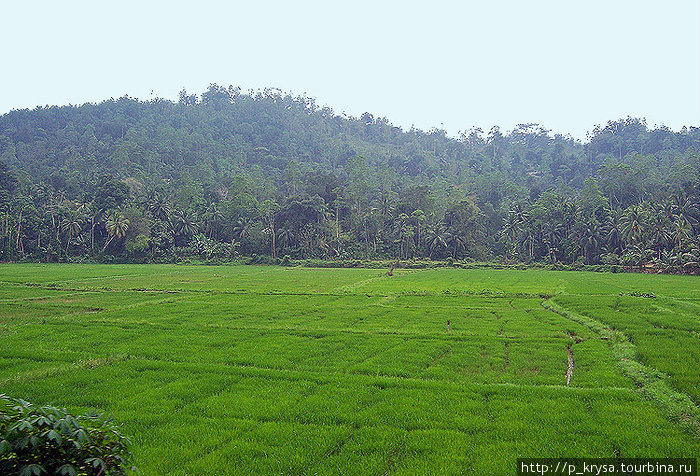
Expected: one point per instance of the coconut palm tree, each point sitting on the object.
(528, 238)
(71, 226)
(552, 232)
(659, 234)
(116, 226)
(512, 227)
(403, 233)
(613, 230)
(437, 238)
(686, 207)
(240, 229)
(212, 216)
(184, 223)
(681, 232)
(158, 205)
(94, 215)
(590, 240)
(520, 212)
(286, 237)
(634, 224)
(456, 242)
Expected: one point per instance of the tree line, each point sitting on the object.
(231, 173)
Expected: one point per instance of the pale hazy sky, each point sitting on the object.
(565, 64)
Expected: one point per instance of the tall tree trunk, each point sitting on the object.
(274, 243)
(19, 229)
(107, 244)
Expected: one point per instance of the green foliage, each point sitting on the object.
(46, 440)
(268, 173)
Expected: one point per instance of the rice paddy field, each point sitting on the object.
(272, 370)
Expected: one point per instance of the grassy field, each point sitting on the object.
(268, 370)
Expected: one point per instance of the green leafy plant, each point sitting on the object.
(46, 440)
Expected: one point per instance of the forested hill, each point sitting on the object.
(264, 172)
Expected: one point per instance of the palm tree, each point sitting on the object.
(528, 239)
(240, 229)
(511, 230)
(403, 232)
(117, 225)
(520, 212)
(184, 223)
(681, 231)
(571, 212)
(437, 238)
(552, 232)
(94, 213)
(307, 240)
(613, 229)
(685, 207)
(659, 235)
(158, 205)
(634, 224)
(418, 221)
(590, 239)
(456, 242)
(212, 215)
(72, 226)
(286, 236)
(268, 213)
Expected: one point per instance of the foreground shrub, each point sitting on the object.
(48, 441)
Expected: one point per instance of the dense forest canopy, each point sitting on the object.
(230, 173)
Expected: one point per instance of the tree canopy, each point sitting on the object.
(263, 172)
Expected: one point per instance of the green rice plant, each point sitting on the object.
(266, 369)
(653, 383)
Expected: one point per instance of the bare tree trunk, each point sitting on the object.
(274, 243)
(107, 244)
(19, 229)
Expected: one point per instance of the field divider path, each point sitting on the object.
(350, 288)
(86, 278)
(276, 292)
(45, 297)
(678, 406)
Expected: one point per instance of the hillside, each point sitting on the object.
(266, 173)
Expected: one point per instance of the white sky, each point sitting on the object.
(565, 64)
